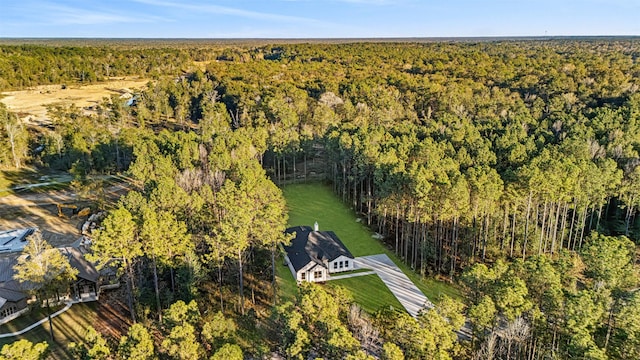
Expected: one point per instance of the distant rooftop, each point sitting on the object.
(14, 240)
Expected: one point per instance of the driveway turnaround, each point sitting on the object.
(402, 288)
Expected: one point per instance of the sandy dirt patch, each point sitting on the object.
(24, 210)
(59, 231)
(31, 105)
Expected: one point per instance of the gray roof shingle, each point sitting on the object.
(7, 263)
(12, 291)
(316, 246)
(86, 270)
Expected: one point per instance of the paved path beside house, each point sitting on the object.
(30, 327)
(400, 285)
(338, 277)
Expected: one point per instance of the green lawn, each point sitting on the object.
(369, 291)
(68, 327)
(287, 287)
(27, 319)
(308, 203)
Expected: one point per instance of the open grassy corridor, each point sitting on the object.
(308, 203)
(68, 327)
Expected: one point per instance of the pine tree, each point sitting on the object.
(44, 271)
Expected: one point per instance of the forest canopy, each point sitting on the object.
(512, 167)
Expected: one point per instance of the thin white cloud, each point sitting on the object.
(370, 2)
(363, 2)
(225, 10)
(66, 15)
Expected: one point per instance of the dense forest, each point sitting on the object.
(510, 168)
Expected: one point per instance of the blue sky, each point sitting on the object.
(316, 18)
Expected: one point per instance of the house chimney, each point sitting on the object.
(315, 226)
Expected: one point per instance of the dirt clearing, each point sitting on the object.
(59, 231)
(31, 105)
(24, 210)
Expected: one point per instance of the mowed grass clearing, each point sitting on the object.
(308, 203)
(70, 326)
(369, 292)
(286, 284)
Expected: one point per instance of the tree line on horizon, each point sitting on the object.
(460, 154)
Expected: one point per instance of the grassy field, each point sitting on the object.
(68, 327)
(32, 104)
(287, 287)
(308, 203)
(369, 292)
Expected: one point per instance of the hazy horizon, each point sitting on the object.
(317, 19)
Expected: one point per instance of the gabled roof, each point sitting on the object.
(314, 246)
(7, 273)
(86, 270)
(11, 291)
(7, 262)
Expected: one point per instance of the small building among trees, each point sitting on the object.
(16, 291)
(313, 255)
(13, 298)
(88, 280)
(13, 301)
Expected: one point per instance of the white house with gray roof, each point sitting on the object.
(313, 255)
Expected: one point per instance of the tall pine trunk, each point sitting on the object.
(241, 282)
(50, 321)
(273, 273)
(220, 286)
(156, 288)
(129, 271)
(526, 228)
(627, 220)
(542, 229)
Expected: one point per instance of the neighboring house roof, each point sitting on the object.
(11, 291)
(86, 270)
(14, 291)
(14, 240)
(313, 246)
(7, 263)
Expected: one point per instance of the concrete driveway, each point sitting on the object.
(402, 288)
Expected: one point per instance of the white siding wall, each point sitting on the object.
(318, 274)
(341, 264)
(312, 273)
(288, 262)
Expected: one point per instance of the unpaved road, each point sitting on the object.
(24, 210)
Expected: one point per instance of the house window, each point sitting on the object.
(317, 275)
(341, 264)
(335, 265)
(8, 311)
(303, 276)
(346, 263)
